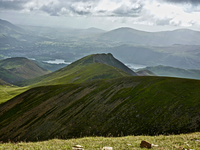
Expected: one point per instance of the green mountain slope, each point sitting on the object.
(16, 69)
(96, 66)
(174, 72)
(128, 106)
(8, 91)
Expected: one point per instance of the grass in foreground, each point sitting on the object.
(172, 142)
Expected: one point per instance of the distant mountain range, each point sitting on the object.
(178, 48)
(121, 35)
(165, 38)
(174, 72)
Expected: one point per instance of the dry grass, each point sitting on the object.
(172, 142)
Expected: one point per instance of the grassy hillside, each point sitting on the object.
(97, 66)
(16, 69)
(7, 92)
(174, 72)
(172, 142)
(128, 106)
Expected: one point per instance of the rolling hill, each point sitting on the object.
(174, 72)
(128, 106)
(96, 66)
(16, 69)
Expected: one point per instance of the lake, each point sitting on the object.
(57, 61)
(134, 66)
(61, 61)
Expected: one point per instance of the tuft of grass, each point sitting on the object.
(171, 142)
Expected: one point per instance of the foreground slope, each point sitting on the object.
(96, 66)
(16, 69)
(129, 105)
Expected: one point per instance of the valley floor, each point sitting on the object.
(171, 142)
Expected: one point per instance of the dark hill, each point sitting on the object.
(18, 68)
(128, 106)
(96, 66)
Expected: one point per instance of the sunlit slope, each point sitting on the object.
(128, 105)
(96, 66)
(8, 91)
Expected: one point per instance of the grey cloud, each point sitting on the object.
(137, 12)
(79, 12)
(75, 7)
(127, 11)
(51, 9)
(163, 22)
(13, 5)
(81, 8)
(184, 1)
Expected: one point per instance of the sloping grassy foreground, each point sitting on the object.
(129, 105)
(172, 142)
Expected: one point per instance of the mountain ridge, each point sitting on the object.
(169, 71)
(96, 66)
(127, 35)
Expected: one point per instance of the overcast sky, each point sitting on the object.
(149, 15)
